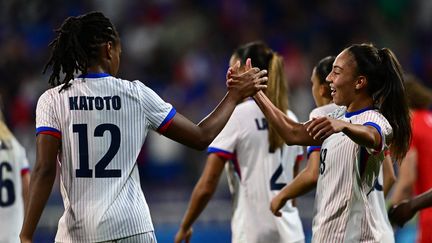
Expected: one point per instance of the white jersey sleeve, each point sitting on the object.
(224, 143)
(47, 121)
(380, 123)
(159, 112)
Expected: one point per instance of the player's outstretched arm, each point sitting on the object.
(364, 135)
(201, 135)
(201, 195)
(41, 182)
(401, 213)
(292, 132)
(304, 182)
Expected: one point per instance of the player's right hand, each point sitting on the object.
(247, 83)
(276, 204)
(399, 214)
(25, 240)
(183, 235)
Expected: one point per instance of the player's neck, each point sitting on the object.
(97, 69)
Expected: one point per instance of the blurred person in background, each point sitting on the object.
(257, 161)
(14, 184)
(95, 125)
(368, 83)
(415, 170)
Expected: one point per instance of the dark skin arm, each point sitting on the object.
(201, 195)
(404, 211)
(25, 181)
(41, 183)
(201, 135)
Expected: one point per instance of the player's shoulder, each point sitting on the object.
(323, 110)
(338, 113)
(246, 107)
(374, 114)
(49, 94)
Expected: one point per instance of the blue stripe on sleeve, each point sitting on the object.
(223, 153)
(311, 149)
(170, 116)
(378, 128)
(44, 129)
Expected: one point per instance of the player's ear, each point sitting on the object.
(322, 90)
(361, 82)
(108, 49)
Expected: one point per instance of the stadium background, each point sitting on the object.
(181, 49)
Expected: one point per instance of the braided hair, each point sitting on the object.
(76, 46)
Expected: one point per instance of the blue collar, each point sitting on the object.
(350, 114)
(94, 75)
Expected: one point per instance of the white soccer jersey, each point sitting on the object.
(13, 164)
(256, 176)
(347, 175)
(102, 122)
(318, 112)
(377, 201)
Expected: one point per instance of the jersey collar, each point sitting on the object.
(94, 75)
(350, 114)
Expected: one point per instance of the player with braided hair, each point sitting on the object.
(95, 125)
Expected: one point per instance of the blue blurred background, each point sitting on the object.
(181, 50)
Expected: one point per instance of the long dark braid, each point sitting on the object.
(76, 46)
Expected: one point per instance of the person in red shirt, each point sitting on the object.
(415, 169)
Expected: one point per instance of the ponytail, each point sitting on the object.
(277, 88)
(277, 92)
(386, 87)
(394, 104)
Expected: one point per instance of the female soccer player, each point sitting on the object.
(368, 82)
(95, 125)
(14, 184)
(260, 163)
(307, 179)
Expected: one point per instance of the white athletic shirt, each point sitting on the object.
(347, 175)
(378, 206)
(13, 164)
(318, 112)
(256, 176)
(102, 122)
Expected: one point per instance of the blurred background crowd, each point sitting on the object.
(181, 48)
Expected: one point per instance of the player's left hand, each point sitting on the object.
(276, 204)
(399, 214)
(320, 128)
